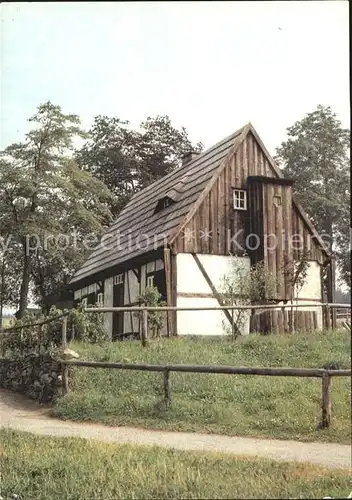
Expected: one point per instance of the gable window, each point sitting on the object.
(239, 199)
(118, 279)
(85, 302)
(150, 281)
(164, 202)
(277, 201)
(100, 299)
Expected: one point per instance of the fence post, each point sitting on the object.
(327, 316)
(64, 345)
(333, 318)
(167, 390)
(233, 323)
(144, 329)
(2, 338)
(326, 400)
(21, 341)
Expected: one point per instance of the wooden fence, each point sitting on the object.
(279, 318)
(325, 375)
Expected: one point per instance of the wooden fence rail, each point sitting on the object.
(329, 319)
(214, 308)
(325, 375)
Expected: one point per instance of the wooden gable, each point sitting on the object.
(201, 218)
(125, 238)
(214, 220)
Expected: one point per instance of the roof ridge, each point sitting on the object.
(232, 150)
(139, 213)
(187, 166)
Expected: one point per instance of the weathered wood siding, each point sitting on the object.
(217, 216)
(311, 246)
(216, 213)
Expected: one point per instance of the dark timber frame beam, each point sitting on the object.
(167, 267)
(214, 291)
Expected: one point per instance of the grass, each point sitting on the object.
(42, 468)
(276, 407)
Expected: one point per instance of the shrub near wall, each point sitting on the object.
(35, 376)
(30, 350)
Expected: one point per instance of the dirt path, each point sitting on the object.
(22, 414)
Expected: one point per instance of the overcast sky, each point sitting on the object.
(211, 66)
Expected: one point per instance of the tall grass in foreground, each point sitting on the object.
(281, 407)
(42, 468)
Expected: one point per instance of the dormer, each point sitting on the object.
(163, 203)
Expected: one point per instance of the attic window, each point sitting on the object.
(277, 201)
(239, 199)
(164, 202)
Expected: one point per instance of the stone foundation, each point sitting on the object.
(38, 377)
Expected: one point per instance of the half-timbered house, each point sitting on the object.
(181, 234)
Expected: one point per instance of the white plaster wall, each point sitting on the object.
(134, 293)
(108, 302)
(143, 278)
(191, 280)
(159, 264)
(131, 281)
(312, 290)
(310, 293)
(312, 286)
(151, 267)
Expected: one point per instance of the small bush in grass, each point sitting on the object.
(241, 287)
(88, 327)
(152, 297)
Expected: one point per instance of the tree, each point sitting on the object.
(295, 274)
(127, 160)
(45, 197)
(151, 297)
(242, 286)
(316, 157)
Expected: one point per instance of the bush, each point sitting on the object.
(242, 286)
(42, 335)
(152, 297)
(88, 327)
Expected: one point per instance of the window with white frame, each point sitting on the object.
(85, 302)
(240, 199)
(150, 281)
(118, 279)
(100, 299)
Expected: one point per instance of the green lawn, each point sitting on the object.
(43, 468)
(278, 407)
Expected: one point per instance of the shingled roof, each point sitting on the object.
(124, 241)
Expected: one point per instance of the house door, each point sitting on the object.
(118, 301)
